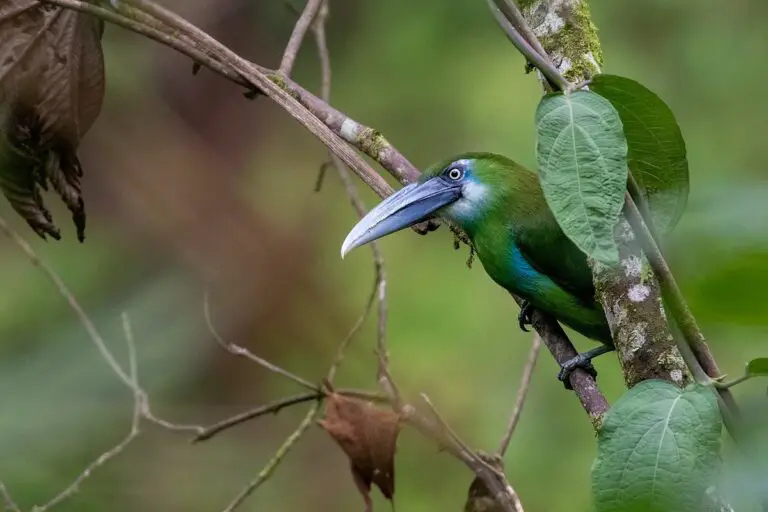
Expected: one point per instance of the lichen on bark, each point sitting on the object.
(632, 302)
(568, 35)
(629, 292)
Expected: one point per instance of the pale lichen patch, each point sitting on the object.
(551, 23)
(676, 376)
(619, 313)
(636, 340)
(564, 65)
(632, 265)
(350, 130)
(638, 292)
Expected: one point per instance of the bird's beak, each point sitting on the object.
(406, 207)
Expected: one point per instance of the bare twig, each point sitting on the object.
(451, 434)
(380, 284)
(270, 467)
(239, 351)
(522, 393)
(143, 398)
(509, 18)
(138, 399)
(511, 11)
(64, 291)
(494, 479)
(141, 408)
(8, 502)
(297, 36)
(351, 334)
(277, 406)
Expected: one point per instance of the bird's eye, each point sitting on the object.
(455, 174)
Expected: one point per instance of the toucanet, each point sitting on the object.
(499, 204)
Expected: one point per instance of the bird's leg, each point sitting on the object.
(583, 361)
(524, 318)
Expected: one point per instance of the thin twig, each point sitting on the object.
(297, 36)
(380, 283)
(446, 427)
(522, 393)
(511, 11)
(270, 467)
(277, 406)
(352, 332)
(142, 396)
(8, 502)
(542, 63)
(117, 449)
(64, 291)
(240, 351)
(494, 479)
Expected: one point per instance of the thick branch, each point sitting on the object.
(329, 125)
(592, 399)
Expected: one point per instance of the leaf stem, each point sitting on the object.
(681, 313)
(730, 384)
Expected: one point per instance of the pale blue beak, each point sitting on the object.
(406, 207)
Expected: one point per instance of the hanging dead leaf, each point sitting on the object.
(51, 92)
(368, 436)
(479, 498)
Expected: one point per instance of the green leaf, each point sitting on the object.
(657, 156)
(658, 450)
(582, 156)
(758, 367)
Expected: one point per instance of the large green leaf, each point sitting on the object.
(658, 450)
(582, 156)
(657, 155)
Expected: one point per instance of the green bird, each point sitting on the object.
(501, 207)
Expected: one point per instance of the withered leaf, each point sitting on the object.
(51, 92)
(368, 436)
(479, 497)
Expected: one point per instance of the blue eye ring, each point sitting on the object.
(454, 173)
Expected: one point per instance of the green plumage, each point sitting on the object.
(520, 244)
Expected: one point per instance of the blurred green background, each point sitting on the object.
(188, 185)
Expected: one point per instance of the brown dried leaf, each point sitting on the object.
(51, 92)
(368, 436)
(480, 498)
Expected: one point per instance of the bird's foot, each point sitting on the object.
(524, 318)
(583, 361)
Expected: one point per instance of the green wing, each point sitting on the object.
(549, 251)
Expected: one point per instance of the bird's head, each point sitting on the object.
(461, 189)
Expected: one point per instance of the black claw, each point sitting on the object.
(583, 361)
(564, 375)
(524, 318)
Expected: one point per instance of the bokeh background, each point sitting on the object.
(190, 186)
